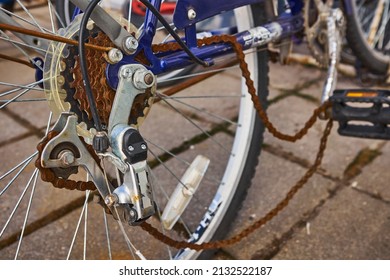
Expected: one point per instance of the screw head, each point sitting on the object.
(143, 79)
(130, 148)
(191, 14)
(131, 44)
(125, 73)
(143, 147)
(114, 56)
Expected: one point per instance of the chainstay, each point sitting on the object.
(259, 223)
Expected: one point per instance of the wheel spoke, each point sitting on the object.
(32, 86)
(31, 16)
(107, 233)
(25, 164)
(78, 226)
(198, 127)
(19, 17)
(204, 111)
(18, 203)
(27, 213)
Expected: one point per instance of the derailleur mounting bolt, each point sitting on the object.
(114, 56)
(131, 44)
(66, 157)
(143, 79)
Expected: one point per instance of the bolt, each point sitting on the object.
(143, 79)
(131, 44)
(143, 147)
(111, 199)
(125, 73)
(66, 157)
(132, 213)
(149, 79)
(191, 14)
(114, 56)
(131, 148)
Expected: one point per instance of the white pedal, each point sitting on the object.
(182, 195)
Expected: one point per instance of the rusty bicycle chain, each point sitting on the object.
(49, 176)
(261, 112)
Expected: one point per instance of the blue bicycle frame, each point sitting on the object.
(284, 26)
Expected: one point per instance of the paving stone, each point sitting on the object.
(374, 178)
(290, 114)
(268, 188)
(350, 226)
(13, 130)
(290, 77)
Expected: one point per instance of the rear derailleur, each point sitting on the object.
(132, 201)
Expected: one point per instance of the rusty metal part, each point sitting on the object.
(103, 93)
(17, 60)
(259, 223)
(48, 175)
(291, 138)
(42, 35)
(172, 46)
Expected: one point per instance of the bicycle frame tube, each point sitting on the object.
(283, 27)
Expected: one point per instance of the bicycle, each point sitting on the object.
(135, 177)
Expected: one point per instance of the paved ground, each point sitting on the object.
(342, 213)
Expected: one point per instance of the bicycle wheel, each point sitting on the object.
(368, 33)
(214, 118)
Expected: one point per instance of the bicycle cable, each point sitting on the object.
(83, 64)
(177, 38)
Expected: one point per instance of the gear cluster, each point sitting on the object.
(104, 95)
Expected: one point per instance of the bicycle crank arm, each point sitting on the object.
(335, 25)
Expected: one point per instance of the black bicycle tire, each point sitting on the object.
(373, 60)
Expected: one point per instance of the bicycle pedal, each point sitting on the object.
(362, 113)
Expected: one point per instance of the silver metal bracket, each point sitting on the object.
(67, 136)
(134, 79)
(335, 27)
(136, 191)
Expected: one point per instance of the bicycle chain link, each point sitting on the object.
(262, 114)
(49, 176)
